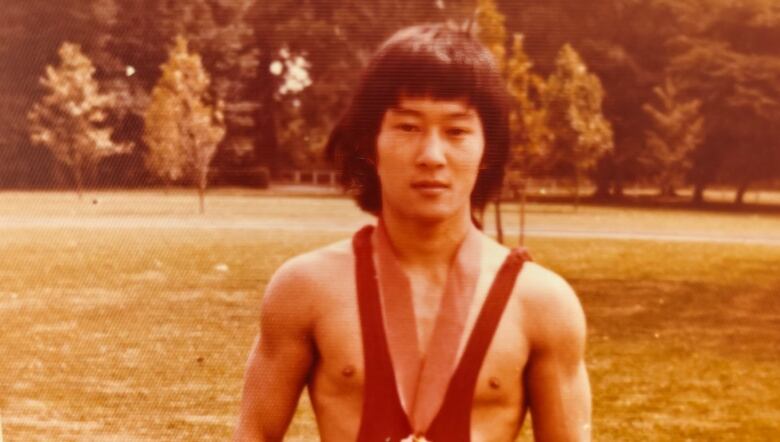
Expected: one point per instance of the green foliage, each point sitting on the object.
(559, 120)
(336, 39)
(130, 44)
(677, 130)
(724, 58)
(721, 52)
(528, 118)
(530, 133)
(222, 33)
(491, 30)
(70, 119)
(573, 100)
(182, 126)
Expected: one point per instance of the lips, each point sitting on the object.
(430, 184)
(430, 188)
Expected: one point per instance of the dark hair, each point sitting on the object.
(440, 61)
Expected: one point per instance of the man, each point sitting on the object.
(421, 328)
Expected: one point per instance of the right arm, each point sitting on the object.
(556, 375)
(280, 360)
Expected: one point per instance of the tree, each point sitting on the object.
(130, 44)
(624, 42)
(336, 40)
(531, 136)
(492, 33)
(70, 119)
(727, 57)
(182, 125)
(528, 118)
(677, 130)
(221, 32)
(492, 30)
(573, 100)
(31, 36)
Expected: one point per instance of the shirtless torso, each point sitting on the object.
(311, 337)
(436, 150)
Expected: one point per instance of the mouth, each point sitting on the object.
(430, 187)
(430, 184)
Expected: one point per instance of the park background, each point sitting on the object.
(645, 169)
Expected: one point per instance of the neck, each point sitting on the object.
(426, 245)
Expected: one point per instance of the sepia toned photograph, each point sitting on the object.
(389, 220)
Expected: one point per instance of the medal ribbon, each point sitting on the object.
(423, 378)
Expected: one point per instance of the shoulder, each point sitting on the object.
(299, 285)
(313, 266)
(551, 312)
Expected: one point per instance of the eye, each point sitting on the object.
(457, 131)
(407, 127)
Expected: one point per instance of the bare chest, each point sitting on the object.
(339, 374)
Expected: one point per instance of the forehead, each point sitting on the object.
(432, 107)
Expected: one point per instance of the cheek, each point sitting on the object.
(470, 159)
(390, 154)
(388, 166)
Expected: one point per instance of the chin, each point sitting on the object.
(432, 213)
(427, 211)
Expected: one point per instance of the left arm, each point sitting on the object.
(556, 378)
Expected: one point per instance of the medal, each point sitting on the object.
(415, 438)
(422, 378)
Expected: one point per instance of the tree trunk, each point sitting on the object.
(602, 190)
(499, 226)
(604, 179)
(202, 183)
(741, 190)
(618, 186)
(79, 181)
(618, 190)
(667, 189)
(90, 177)
(576, 192)
(266, 149)
(698, 193)
(523, 191)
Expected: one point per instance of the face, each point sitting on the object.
(428, 157)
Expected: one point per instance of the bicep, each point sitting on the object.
(278, 364)
(556, 376)
(560, 400)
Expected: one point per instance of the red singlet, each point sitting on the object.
(383, 418)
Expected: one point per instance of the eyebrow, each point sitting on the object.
(452, 115)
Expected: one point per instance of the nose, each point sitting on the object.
(431, 152)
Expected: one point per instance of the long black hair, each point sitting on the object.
(438, 61)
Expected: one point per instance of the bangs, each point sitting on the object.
(436, 63)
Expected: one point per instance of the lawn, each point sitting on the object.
(130, 319)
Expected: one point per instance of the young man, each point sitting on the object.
(422, 327)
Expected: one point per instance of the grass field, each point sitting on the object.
(130, 319)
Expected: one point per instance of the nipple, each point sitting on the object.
(494, 383)
(348, 371)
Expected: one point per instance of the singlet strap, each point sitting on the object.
(453, 423)
(492, 310)
(383, 418)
